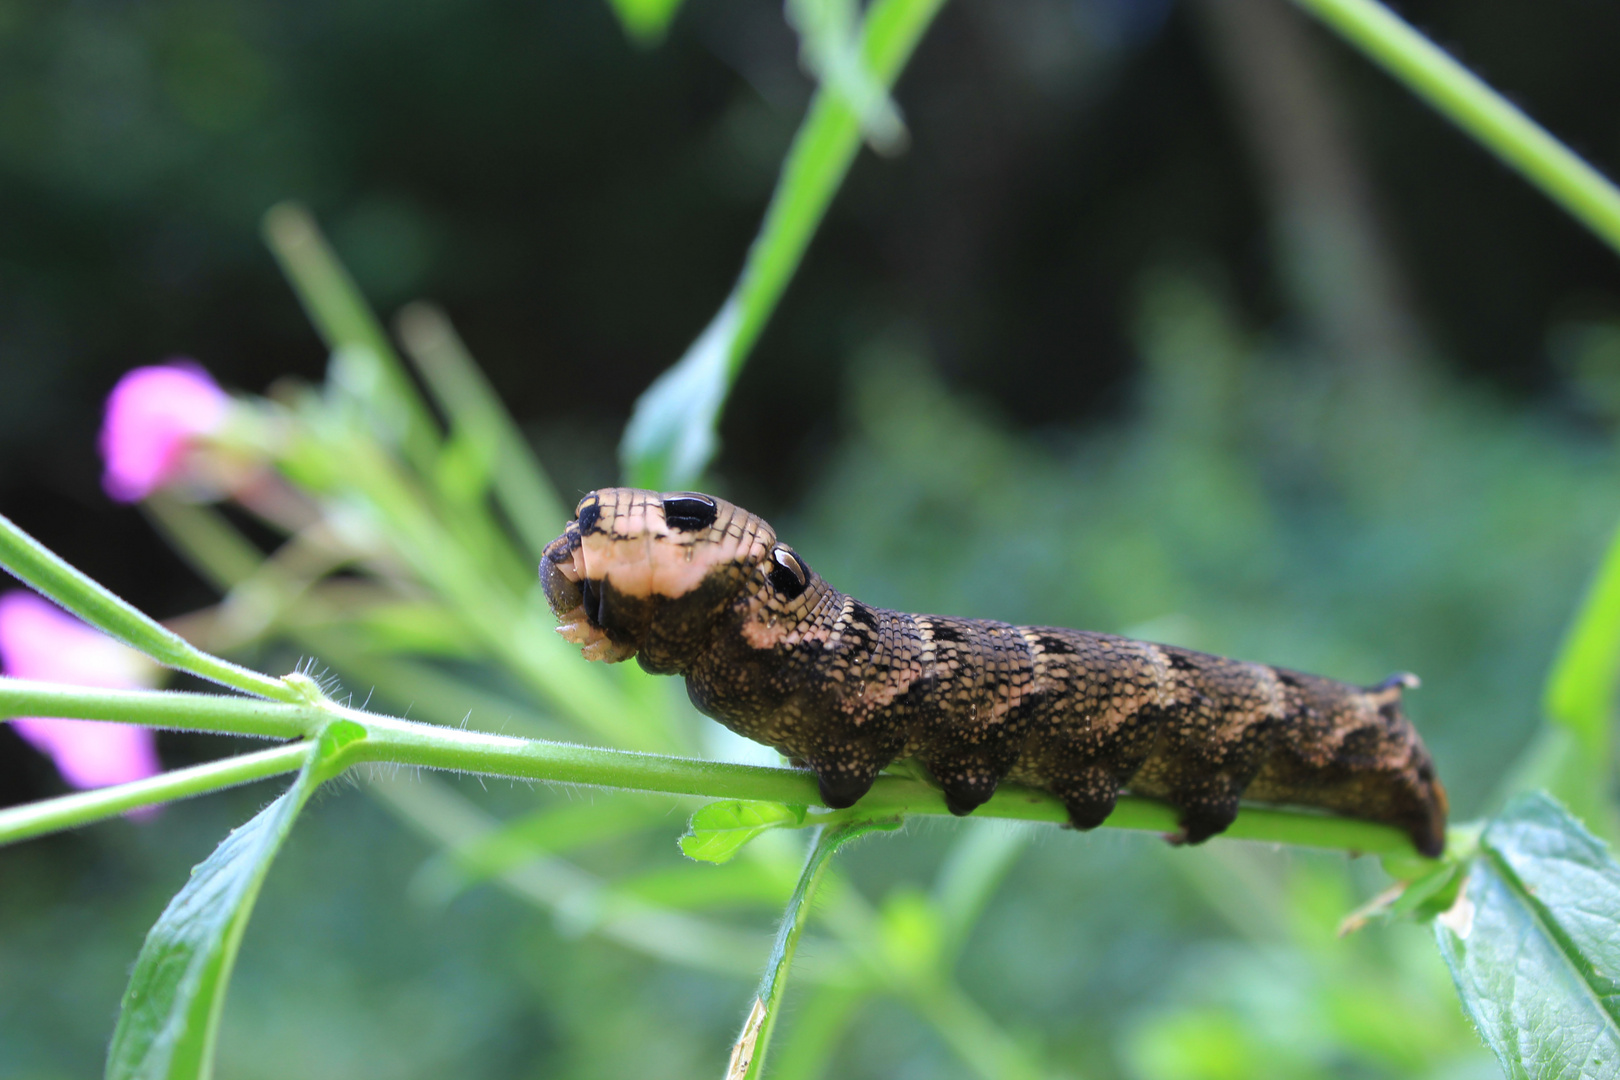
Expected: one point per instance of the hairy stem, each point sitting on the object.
(52, 576)
(748, 1056)
(404, 742)
(71, 811)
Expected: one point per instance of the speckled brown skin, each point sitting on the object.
(691, 585)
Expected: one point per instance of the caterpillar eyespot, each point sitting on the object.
(692, 585)
(789, 578)
(689, 511)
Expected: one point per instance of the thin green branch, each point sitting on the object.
(218, 713)
(403, 742)
(464, 394)
(345, 321)
(1469, 102)
(47, 572)
(72, 811)
(748, 1055)
(671, 436)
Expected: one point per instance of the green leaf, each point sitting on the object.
(169, 1021)
(646, 21)
(1581, 685)
(1533, 942)
(911, 935)
(740, 883)
(719, 830)
(1572, 760)
(671, 436)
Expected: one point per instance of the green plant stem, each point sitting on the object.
(50, 574)
(345, 321)
(403, 742)
(820, 157)
(464, 394)
(748, 1057)
(216, 713)
(671, 435)
(514, 630)
(71, 811)
(1464, 98)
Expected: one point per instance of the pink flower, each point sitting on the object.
(38, 640)
(152, 414)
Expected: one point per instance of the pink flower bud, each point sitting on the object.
(40, 641)
(152, 414)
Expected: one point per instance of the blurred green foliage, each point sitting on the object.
(1248, 510)
(1252, 496)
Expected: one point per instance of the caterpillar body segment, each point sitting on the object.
(694, 586)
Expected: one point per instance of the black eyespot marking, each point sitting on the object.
(789, 576)
(1180, 661)
(689, 511)
(588, 517)
(1288, 680)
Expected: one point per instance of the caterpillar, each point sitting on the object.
(692, 585)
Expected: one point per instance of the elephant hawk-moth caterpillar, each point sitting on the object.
(692, 585)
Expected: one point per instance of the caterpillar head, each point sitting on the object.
(657, 575)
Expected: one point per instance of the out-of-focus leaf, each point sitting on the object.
(1210, 1043)
(466, 466)
(740, 883)
(414, 626)
(434, 809)
(477, 414)
(169, 1020)
(645, 21)
(671, 436)
(912, 935)
(830, 49)
(1581, 685)
(719, 830)
(1573, 760)
(364, 361)
(554, 830)
(1533, 941)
